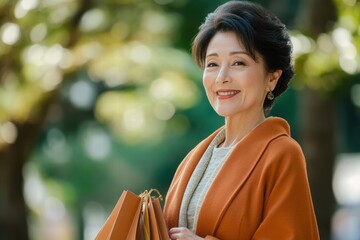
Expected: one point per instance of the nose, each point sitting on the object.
(223, 75)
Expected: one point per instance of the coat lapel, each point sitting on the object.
(235, 172)
(181, 179)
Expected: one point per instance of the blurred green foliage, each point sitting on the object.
(124, 98)
(329, 62)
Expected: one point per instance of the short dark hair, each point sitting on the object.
(259, 30)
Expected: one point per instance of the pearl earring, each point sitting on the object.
(270, 96)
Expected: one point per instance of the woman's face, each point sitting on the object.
(234, 82)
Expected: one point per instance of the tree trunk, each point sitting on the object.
(318, 121)
(13, 214)
(13, 210)
(318, 132)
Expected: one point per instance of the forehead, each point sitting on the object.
(225, 41)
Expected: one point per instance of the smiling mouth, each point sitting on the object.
(226, 93)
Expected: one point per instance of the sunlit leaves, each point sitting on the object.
(160, 87)
(24, 6)
(32, 54)
(94, 20)
(129, 115)
(142, 114)
(8, 134)
(10, 33)
(38, 32)
(126, 47)
(16, 99)
(332, 55)
(173, 87)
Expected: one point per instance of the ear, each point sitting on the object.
(272, 80)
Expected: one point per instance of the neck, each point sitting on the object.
(237, 127)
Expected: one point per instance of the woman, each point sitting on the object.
(248, 179)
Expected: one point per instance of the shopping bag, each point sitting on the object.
(135, 217)
(154, 223)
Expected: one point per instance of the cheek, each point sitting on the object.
(206, 82)
(253, 81)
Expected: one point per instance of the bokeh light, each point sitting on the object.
(10, 33)
(346, 180)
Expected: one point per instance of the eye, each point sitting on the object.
(211, 64)
(239, 63)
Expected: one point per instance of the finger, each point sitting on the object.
(177, 230)
(175, 237)
(173, 233)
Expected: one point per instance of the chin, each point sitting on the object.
(226, 110)
(224, 113)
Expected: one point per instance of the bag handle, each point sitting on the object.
(146, 195)
(146, 198)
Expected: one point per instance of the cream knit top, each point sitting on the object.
(201, 180)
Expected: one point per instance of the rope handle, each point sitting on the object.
(146, 195)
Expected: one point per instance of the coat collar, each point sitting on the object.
(239, 166)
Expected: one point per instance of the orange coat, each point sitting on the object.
(261, 192)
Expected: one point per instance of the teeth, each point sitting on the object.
(227, 93)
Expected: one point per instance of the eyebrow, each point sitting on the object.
(231, 53)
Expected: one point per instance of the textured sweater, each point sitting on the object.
(201, 180)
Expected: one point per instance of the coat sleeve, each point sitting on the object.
(288, 210)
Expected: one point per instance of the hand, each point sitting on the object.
(182, 233)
